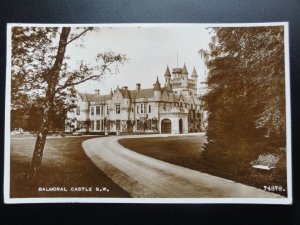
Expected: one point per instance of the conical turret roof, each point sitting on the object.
(157, 85)
(194, 73)
(184, 70)
(167, 73)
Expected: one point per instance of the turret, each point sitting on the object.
(184, 77)
(157, 89)
(195, 77)
(167, 76)
(184, 71)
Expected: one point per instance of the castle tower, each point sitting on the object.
(177, 73)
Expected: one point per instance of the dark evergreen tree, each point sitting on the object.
(246, 96)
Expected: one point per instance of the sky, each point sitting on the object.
(150, 48)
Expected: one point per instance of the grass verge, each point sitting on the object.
(64, 165)
(187, 151)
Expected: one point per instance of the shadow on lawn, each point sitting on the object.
(64, 165)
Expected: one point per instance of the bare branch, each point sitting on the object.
(69, 84)
(84, 74)
(79, 35)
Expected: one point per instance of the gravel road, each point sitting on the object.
(146, 177)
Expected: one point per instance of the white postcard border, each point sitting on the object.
(288, 200)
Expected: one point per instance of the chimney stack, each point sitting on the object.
(97, 92)
(138, 87)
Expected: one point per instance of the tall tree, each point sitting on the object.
(245, 99)
(41, 75)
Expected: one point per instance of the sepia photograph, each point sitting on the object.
(148, 113)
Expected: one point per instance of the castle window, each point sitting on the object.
(107, 111)
(149, 109)
(118, 109)
(92, 110)
(98, 125)
(118, 124)
(102, 110)
(97, 110)
(137, 109)
(142, 108)
(78, 111)
(132, 109)
(165, 106)
(180, 104)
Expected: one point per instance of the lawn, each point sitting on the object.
(187, 151)
(64, 165)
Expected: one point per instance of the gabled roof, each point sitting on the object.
(186, 98)
(92, 97)
(102, 97)
(142, 93)
(86, 97)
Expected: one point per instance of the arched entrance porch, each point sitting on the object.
(166, 126)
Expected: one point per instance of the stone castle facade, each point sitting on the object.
(172, 108)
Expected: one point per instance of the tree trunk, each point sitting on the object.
(52, 80)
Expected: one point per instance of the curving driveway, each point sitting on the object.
(146, 177)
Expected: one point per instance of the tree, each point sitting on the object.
(41, 75)
(245, 100)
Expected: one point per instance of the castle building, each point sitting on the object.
(172, 108)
